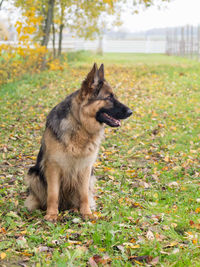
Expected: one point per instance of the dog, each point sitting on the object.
(62, 176)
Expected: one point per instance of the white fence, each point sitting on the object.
(119, 46)
(184, 41)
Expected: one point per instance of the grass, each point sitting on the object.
(148, 202)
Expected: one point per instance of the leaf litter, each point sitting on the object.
(148, 187)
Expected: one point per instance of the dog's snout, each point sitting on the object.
(129, 112)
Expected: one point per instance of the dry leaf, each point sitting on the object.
(121, 248)
(92, 262)
(172, 244)
(150, 235)
(3, 255)
(154, 261)
(139, 259)
(173, 184)
(175, 251)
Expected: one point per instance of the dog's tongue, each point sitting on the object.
(118, 122)
(115, 121)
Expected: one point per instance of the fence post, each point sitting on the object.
(167, 51)
(182, 43)
(187, 39)
(192, 43)
(198, 42)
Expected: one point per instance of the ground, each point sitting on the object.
(148, 201)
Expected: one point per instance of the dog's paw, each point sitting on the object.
(86, 213)
(51, 217)
(87, 217)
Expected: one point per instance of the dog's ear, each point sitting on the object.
(93, 76)
(101, 72)
(91, 79)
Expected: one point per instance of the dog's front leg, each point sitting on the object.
(53, 186)
(84, 192)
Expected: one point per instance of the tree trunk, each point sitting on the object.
(48, 23)
(60, 39)
(100, 45)
(54, 40)
(47, 28)
(1, 3)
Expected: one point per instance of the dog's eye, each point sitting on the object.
(110, 97)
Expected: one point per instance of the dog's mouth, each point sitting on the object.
(108, 119)
(111, 121)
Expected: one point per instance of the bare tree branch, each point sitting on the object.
(1, 2)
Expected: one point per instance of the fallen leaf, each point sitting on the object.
(92, 262)
(3, 230)
(150, 235)
(3, 255)
(197, 210)
(76, 220)
(175, 251)
(21, 241)
(139, 259)
(130, 245)
(121, 248)
(173, 184)
(159, 237)
(144, 184)
(154, 261)
(43, 248)
(172, 244)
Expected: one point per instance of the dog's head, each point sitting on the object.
(98, 100)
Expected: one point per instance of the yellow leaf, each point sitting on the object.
(135, 246)
(197, 210)
(130, 245)
(3, 255)
(172, 244)
(138, 262)
(102, 249)
(155, 195)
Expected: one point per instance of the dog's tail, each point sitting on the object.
(37, 188)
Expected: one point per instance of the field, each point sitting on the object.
(148, 201)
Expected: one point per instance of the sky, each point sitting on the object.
(175, 13)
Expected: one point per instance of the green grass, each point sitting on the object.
(148, 200)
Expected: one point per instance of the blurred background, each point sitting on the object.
(170, 27)
(43, 30)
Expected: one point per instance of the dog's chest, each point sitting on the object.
(82, 145)
(73, 158)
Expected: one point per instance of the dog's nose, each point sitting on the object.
(129, 112)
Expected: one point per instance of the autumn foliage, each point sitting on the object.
(26, 56)
(41, 20)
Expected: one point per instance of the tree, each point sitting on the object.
(1, 3)
(85, 18)
(48, 23)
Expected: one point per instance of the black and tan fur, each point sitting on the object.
(62, 176)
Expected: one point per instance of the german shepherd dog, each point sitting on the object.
(62, 176)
